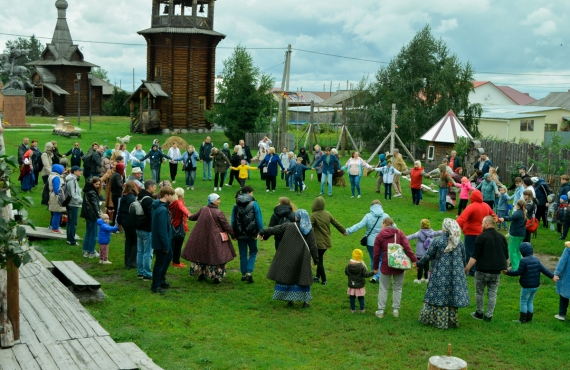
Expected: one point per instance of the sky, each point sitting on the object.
(523, 44)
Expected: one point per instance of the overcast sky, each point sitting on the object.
(522, 43)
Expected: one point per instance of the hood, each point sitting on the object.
(302, 150)
(48, 147)
(526, 249)
(100, 221)
(144, 193)
(442, 168)
(57, 168)
(354, 268)
(376, 210)
(426, 233)
(382, 157)
(108, 153)
(550, 198)
(244, 199)
(318, 204)
(89, 187)
(282, 210)
(487, 175)
(476, 197)
(70, 177)
(157, 204)
(388, 232)
(120, 168)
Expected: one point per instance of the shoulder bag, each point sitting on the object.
(223, 234)
(302, 237)
(364, 240)
(397, 258)
(178, 233)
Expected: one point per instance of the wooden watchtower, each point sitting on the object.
(180, 72)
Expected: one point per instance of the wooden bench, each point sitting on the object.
(81, 284)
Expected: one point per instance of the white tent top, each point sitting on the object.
(446, 130)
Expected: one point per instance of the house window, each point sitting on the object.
(202, 103)
(431, 152)
(551, 127)
(527, 125)
(157, 72)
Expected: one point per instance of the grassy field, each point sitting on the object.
(238, 326)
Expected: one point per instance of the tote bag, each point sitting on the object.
(397, 258)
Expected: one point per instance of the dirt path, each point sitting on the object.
(548, 260)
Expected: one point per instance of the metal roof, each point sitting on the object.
(107, 87)
(554, 99)
(186, 30)
(300, 97)
(446, 130)
(508, 112)
(338, 97)
(56, 89)
(46, 75)
(61, 62)
(153, 88)
(518, 97)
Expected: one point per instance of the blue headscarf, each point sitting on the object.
(304, 221)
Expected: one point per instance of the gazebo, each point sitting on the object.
(441, 138)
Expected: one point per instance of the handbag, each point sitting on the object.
(364, 240)
(223, 234)
(532, 225)
(178, 233)
(397, 258)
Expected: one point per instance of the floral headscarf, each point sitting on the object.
(304, 221)
(452, 228)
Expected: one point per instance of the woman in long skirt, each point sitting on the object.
(27, 172)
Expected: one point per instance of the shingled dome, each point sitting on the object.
(446, 130)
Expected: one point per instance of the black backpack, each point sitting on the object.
(87, 161)
(38, 164)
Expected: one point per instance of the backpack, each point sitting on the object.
(87, 160)
(63, 197)
(136, 212)
(427, 242)
(38, 164)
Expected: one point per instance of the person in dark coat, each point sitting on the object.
(116, 183)
(246, 151)
(206, 248)
(76, 154)
(156, 156)
(357, 273)
(235, 161)
(205, 151)
(305, 159)
(282, 213)
(523, 175)
(161, 239)
(268, 166)
(90, 211)
(35, 154)
(96, 161)
(454, 161)
(291, 266)
(144, 236)
(124, 220)
(483, 164)
(22, 149)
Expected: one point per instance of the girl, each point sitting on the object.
(531, 205)
(173, 152)
(502, 206)
(27, 172)
(517, 232)
(243, 170)
(104, 238)
(137, 155)
(424, 237)
(357, 274)
(416, 174)
(354, 167)
(465, 187)
(562, 280)
(179, 214)
(388, 173)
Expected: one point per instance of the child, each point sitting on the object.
(518, 194)
(502, 206)
(289, 174)
(424, 237)
(517, 232)
(531, 206)
(552, 208)
(529, 271)
(464, 187)
(357, 274)
(105, 232)
(388, 173)
(561, 215)
(562, 280)
(243, 171)
(297, 171)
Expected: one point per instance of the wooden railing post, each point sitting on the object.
(13, 297)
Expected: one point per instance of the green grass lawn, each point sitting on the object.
(236, 325)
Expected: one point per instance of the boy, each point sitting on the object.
(563, 217)
(388, 173)
(502, 205)
(243, 172)
(161, 236)
(105, 232)
(518, 190)
(297, 172)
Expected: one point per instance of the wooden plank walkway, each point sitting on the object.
(45, 233)
(76, 276)
(58, 333)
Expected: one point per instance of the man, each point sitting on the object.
(161, 237)
(87, 161)
(205, 151)
(156, 156)
(136, 176)
(483, 164)
(492, 256)
(246, 151)
(96, 161)
(35, 154)
(453, 160)
(74, 205)
(144, 242)
(22, 149)
(523, 175)
(564, 186)
(76, 154)
(470, 222)
(400, 165)
(328, 162)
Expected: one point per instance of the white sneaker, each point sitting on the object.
(106, 262)
(380, 314)
(215, 189)
(85, 254)
(267, 191)
(417, 281)
(396, 313)
(220, 188)
(187, 188)
(191, 188)
(424, 280)
(96, 254)
(358, 196)
(561, 318)
(174, 182)
(352, 196)
(228, 185)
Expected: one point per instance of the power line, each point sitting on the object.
(340, 56)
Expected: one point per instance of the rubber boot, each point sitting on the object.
(523, 317)
(529, 316)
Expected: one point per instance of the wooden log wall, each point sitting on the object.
(67, 105)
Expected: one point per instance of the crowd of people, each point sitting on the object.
(154, 219)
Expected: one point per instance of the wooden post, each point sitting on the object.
(343, 133)
(283, 136)
(132, 109)
(393, 128)
(13, 297)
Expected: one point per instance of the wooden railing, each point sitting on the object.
(39, 102)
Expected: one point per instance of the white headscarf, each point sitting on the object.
(453, 230)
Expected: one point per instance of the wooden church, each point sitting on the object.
(180, 71)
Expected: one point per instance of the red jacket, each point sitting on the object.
(385, 237)
(179, 214)
(416, 178)
(472, 217)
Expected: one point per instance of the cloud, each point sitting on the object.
(543, 22)
(447, 25)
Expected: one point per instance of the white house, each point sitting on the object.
(487, 93)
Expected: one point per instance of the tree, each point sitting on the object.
(33, 45)
(550, 162)
(246, 102)
(425, 80)
(100, 73)
(116, 105)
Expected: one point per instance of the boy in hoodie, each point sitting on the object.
(156, 156)
(105, 232)
(529, 271)
(298, 173)
(381, 163)
(424, 238)
(161, 237)
(72, 184)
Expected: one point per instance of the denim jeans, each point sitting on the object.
(354, 183)
(246, 264)
(155, 175)
(72, 216)
(371, 253)
(527, 299)
(324, 178)
(501, 214)
(90, 239)
(55, 220)
(289, 181)
(207, 170)
(491, 281)
(298, 184)
(161, 263)
(563, 306)
(469, 241)
(442, 199)
(144, 253)
(190, 178)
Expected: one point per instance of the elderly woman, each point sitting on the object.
(129, 195)
(291, 266)
(221, 163)
(354, 167)
(235, 161)
(208, 247)
(47, 162)
(189, 160)
(269, 165)
(447, 287)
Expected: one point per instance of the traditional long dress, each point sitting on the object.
(27, 174)
(291, 268)
(447, 287)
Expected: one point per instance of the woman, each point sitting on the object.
(137, 155)
(124, 220)
(189, 160)
(55, 181)
(56, 155)
(235, 161)
(489, 190)
(209, 247)
(318, 154)
(106, 162)
(179, 214)
(416, 174)
(269, 165)
(517, 232)
(338, 173)
(26, 177)
(373, 223)
(390, 234)
(47, 162)
(354, 167)
(443, 185)
(173, 152)
(291, 266)
(226, 152)
(125, 154)
(447, 287)
(90, 211)
(284, 212)
(221, 164)
(116, 185)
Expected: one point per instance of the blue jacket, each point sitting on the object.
(155, 158)
(529, 268)
(382, 159)
(193, 157)
(563, 271)
(564, 189)
(518, 194)
(518, 223)
(328, 168)
(105, 231)
(369, 221)
(161, 227)
(503, 200)
(541, 191)
(271, 162)
(298, 169)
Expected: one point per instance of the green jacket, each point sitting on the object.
(321, 221)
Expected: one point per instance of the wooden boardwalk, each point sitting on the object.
(58, 333)
(45, 233)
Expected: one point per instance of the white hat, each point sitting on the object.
(534, 179)
(212, 198)
(136, 170)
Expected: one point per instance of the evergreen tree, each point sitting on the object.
(116, 105)
(32, 44)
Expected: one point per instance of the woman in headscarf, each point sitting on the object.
(291, 266)
(447, 287)
(209, 247)
(106, 162)
(27, 172)
(221, 164)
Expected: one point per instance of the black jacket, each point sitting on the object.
(124, 218)
(147, 208)
(564, 189)
(76, 155)
(96, 159)
(529, 268)
(281, 214)
(491, 251)
(235, 159)
(245, 224)
(247, 153)
(205, 151)
(303, 154)
(22, 149)
(116, 183)
(456, 162)
(90, 209)
(357, 275)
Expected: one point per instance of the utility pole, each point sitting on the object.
(284, 88)
(393, 129)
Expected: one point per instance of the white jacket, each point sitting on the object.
(388, 173)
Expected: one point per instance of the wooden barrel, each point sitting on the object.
(446, 363)
(476, 143)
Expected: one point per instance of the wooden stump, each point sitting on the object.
(446, 363)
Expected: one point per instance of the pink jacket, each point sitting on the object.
(465, 188)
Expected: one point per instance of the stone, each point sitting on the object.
(183, 131)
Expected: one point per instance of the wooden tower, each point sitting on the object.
(180, 72)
